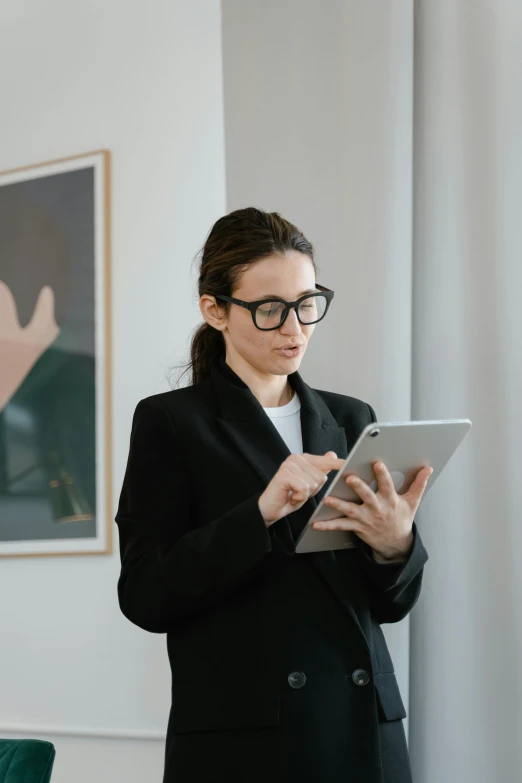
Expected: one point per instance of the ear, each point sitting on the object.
(213, 312)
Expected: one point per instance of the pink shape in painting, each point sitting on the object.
(21, 347)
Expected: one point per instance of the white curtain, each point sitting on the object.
(466, 645)
(343, 115)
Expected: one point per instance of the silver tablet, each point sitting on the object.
(405, 448)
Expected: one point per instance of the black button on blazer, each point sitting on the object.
(263, 643)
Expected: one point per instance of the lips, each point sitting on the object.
(289, 352)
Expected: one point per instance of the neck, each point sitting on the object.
(272, 391)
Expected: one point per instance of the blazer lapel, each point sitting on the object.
(246, 425)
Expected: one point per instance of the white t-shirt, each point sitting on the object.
(287, 420)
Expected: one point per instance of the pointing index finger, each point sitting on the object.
(328, 461)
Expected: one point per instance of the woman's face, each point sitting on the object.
(289, 276)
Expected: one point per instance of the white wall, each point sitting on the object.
(318, 126)
(143, 80)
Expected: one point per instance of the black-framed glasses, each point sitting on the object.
(272, 313)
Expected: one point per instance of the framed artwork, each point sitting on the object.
(55, 433)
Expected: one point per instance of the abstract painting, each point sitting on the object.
(55, 445)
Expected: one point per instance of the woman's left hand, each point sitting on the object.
(384, 520)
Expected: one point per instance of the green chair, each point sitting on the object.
(26, 761)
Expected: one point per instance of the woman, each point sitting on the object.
(280, 670)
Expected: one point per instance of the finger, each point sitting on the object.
(351, 510)
(303, 483)
(366, 494)
(311, 476)
(9, 323)
(316, 475)
(326, 462)
(415, 492)
(42, 327)
(340, 523)
(384, 481)
(298, 489)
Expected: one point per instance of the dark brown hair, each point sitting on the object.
(236, 242)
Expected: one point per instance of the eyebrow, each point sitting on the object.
(276, 296)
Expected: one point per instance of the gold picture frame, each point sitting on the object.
(55, 396)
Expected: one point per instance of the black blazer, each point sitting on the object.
(280, 670)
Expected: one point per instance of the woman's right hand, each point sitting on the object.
(299, 477)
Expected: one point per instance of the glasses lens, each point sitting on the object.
(269, 314)
(312, 309)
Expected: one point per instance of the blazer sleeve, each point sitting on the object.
(394, 587)
(169, 571)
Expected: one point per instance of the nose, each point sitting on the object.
(291, 325)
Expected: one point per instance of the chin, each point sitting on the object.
(292, 362)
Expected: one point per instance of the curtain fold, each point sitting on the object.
(465, 643)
